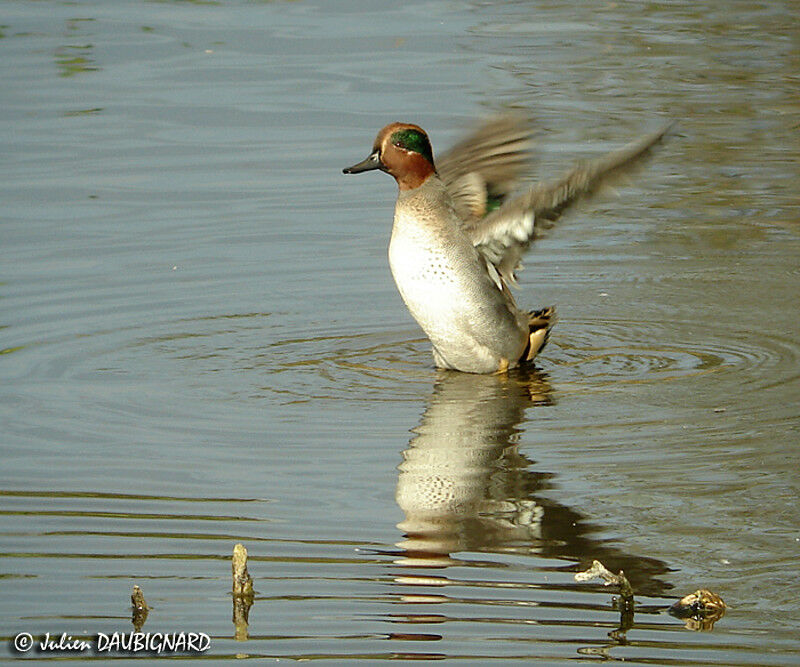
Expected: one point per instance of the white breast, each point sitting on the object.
(422, 268)
(444, 282)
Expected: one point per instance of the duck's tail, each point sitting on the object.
(540, 322)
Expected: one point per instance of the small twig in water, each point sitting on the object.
(242, 592)
(140, 609)
(242, 581)
(600, 571)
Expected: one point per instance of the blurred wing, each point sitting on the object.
(504, 234)
(486, 165)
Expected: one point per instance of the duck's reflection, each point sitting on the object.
(459, 483)
(464, 486)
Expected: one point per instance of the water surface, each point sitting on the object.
(202, 344)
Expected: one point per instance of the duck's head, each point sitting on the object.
(402, 150)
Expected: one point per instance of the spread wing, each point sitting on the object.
(486, 166)
(504, 234)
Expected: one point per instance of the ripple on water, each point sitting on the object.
(303, 365)
(295, 364)
(605, 353)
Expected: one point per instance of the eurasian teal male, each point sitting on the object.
(458, 236)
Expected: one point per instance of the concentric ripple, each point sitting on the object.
(648, 352)
(270, 357)
(304, 365)
(295, 365)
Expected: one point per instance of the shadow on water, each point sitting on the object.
(464, 486)
(464, 489)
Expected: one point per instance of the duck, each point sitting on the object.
(460, 230)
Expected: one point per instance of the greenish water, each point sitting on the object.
(202, 344)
